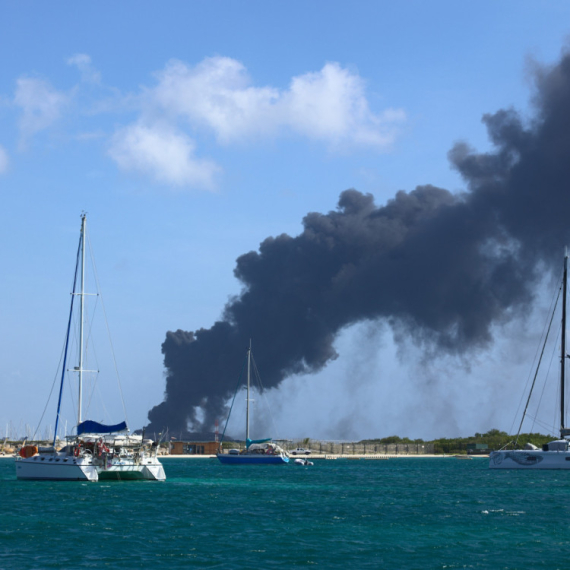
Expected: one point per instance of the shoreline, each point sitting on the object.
(329, 457)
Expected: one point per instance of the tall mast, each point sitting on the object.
(247, 401)
(81, 309)
(563, 344)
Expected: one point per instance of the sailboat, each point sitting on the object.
(555, 454)
(96, 451)
(257, 451)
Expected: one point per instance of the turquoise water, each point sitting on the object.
(401, 513)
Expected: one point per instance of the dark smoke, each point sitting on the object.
(441, 268)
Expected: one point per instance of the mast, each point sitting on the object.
(563, 344)
(81, 309)
(247, 400)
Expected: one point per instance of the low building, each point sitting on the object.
(477, 449)
(194, 447)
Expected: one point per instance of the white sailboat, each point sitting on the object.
(97, 451)
(262, 451)
(555, 454)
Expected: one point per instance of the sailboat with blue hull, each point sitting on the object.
(257, 451)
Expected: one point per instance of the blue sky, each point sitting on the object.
(192, 131)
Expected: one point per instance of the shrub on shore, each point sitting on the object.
(494, 439)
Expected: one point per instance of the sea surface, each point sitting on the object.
(401, 513)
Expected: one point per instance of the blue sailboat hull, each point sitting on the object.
(253, 459)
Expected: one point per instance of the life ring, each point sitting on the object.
(76, 451)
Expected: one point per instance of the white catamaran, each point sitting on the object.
(262, 451)
(553, 455)
(97, 451)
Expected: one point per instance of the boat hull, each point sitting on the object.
(34, 469)
(253, 459)
(131, 471)
(529, 459)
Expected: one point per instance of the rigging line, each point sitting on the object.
(67, 340)
(552, 307)
(75, 343)
(233, 400)
(537, 420)
(537, 367)
(90, 347)
(554, 351)
(107, 326)
(106, 415)
(94, 384)
(262, 393)
(51, 390)
(541, 423)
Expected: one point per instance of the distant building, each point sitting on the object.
(194, 447)
(477, 449)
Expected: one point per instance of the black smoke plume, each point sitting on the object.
(441, 268)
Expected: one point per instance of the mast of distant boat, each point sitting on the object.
(563, 431)
(247, 400)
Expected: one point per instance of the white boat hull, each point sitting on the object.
(529, 459)
(55, 469)
(129, 470)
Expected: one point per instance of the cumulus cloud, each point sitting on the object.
(165, 154)
(3, 160)
(83, 62)
(41, 106)
(329, 105)
(217, 97)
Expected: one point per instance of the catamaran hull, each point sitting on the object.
(133, 472)
(34, 469)
(227, 459)
(523, 459)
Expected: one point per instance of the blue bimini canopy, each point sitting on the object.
(248, 441)
(89, 426)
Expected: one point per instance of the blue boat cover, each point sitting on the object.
(248, 441)
(89, 426)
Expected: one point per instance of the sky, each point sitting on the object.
(191, 132)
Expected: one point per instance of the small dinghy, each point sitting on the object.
(303, 462)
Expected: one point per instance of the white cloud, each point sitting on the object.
(41, 106)
(163, 153)
(216, 93)
(83, 62)
(3, 160)
(329, 105)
